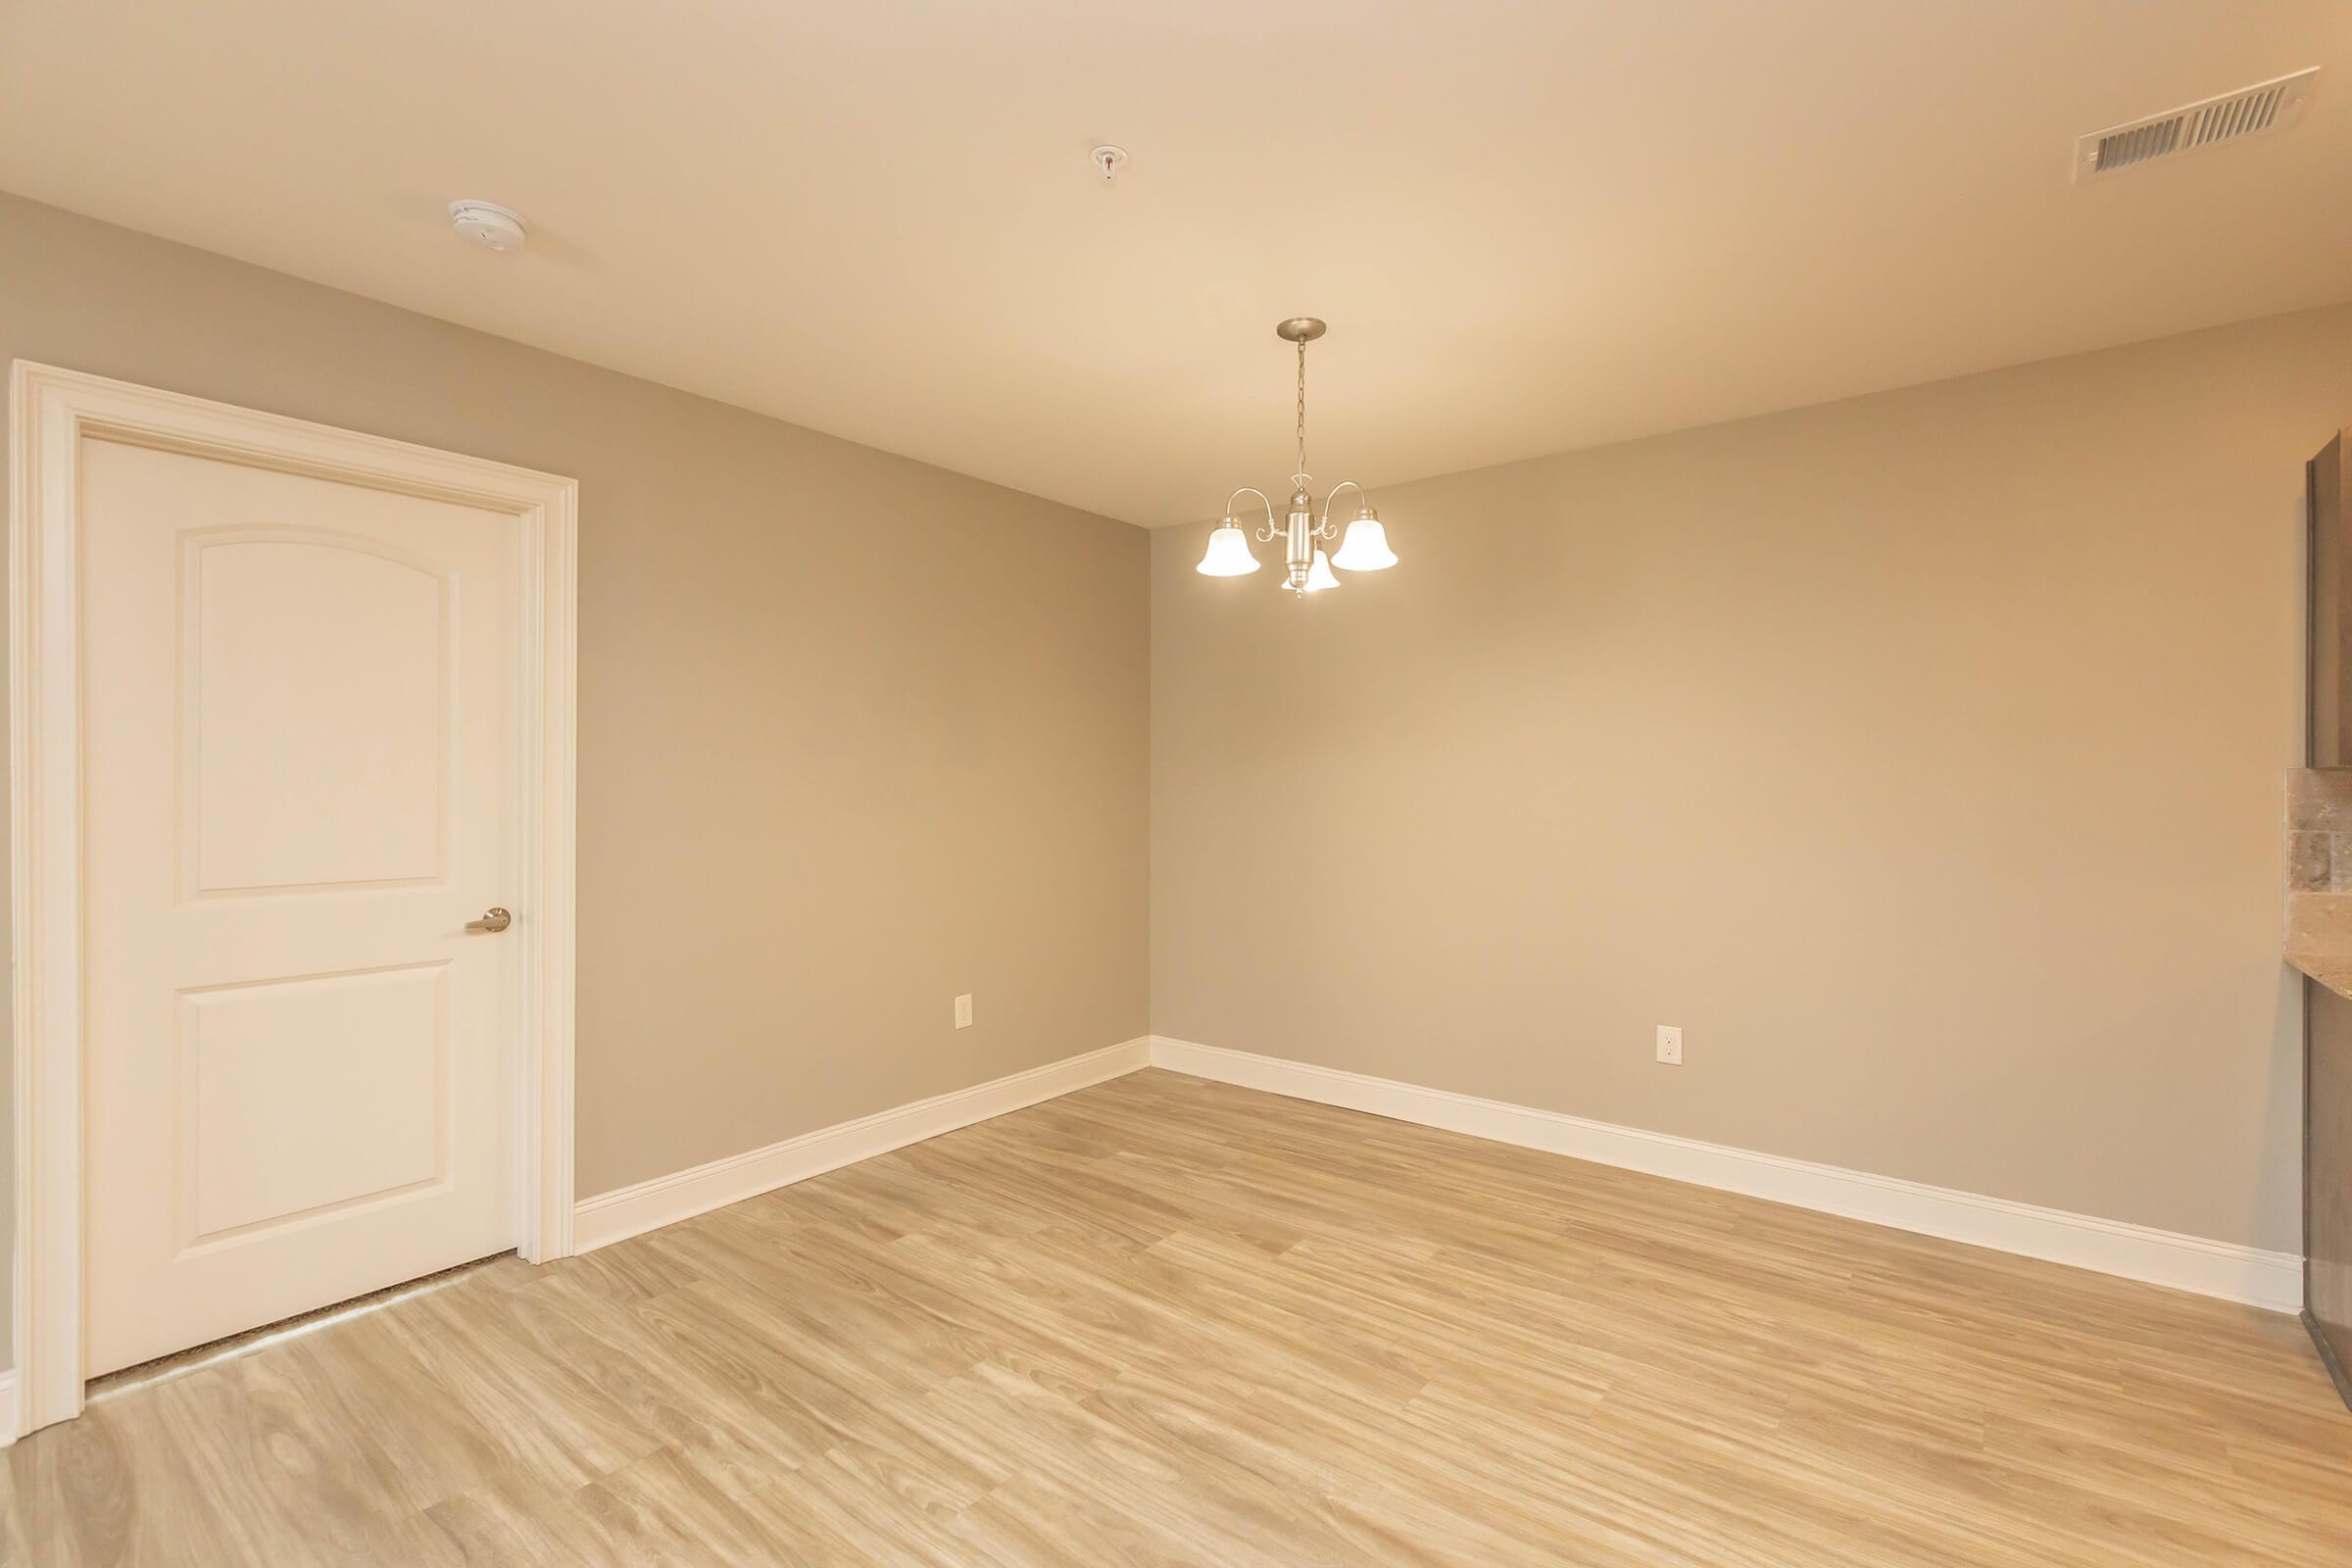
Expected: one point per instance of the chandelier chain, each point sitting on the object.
(1301, 475)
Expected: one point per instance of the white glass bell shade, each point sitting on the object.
(1318, 576)
(1228, 554)
(1366, 547)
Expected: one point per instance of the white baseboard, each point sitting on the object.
(627, 1211)
(7, 1409)
(2259, 1278)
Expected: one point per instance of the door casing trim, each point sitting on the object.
(51, 412)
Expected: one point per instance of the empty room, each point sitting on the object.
(1277, 785)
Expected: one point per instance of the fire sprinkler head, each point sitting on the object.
(1110, 160)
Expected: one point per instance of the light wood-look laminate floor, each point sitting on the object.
(1164, 1321)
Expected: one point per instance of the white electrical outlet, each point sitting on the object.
(963, 1012)
(1670, 1044)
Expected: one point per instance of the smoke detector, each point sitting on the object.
(2254, 111)
(491, 226)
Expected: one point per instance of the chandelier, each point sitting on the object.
(1305, 569)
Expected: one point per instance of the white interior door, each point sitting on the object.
(299, 766)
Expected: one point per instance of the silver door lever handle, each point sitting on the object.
(493, 919)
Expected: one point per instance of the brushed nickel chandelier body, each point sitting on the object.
(1306, 568)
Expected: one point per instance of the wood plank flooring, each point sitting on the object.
(1164, 1321)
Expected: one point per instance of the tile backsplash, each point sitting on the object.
(2318, 861)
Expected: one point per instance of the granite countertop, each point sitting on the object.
(2330, 970)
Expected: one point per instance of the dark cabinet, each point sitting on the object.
(2327, 1015)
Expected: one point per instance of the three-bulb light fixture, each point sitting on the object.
(1306, 568)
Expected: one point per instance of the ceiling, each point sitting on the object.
(1532, 226)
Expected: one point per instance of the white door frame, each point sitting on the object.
(53, 411)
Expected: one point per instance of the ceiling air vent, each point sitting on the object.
(2233, 117)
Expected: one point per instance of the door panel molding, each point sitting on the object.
(53, 412)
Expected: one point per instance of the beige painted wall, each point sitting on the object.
(1918, 755)
(855, 734)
